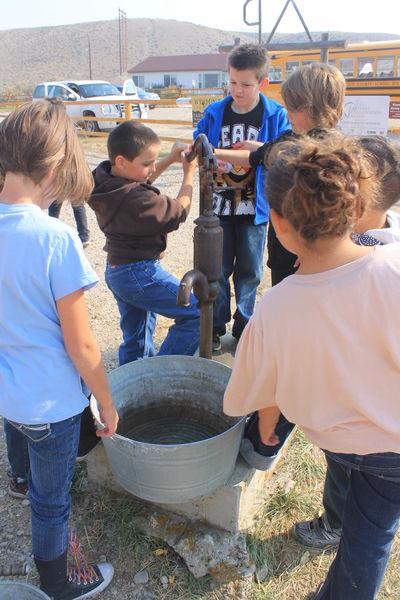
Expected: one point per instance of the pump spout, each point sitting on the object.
(193, 280)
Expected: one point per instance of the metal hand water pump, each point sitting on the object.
(207, 260)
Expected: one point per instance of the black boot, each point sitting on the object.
(79, 580)
(87, 438)
(53, 574)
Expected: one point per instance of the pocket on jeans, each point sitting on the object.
(124, 283)
(36, 433)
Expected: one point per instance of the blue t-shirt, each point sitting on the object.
(41, 261)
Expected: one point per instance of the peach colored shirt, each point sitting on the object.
(325, 348)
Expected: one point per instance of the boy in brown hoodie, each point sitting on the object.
(136, 218)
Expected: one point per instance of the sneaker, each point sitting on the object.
(216, 343)
(317, 533)
(84, 580)
(18, 488)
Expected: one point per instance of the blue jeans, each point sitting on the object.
(17, 452)
(370, 521)
(337, 481)
(242, 257)
(52, 453)
(80, 218)
(143, 290)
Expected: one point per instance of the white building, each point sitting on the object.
(188, 71)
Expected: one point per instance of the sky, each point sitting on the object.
(319, 15)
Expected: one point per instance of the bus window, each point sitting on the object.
(275, 73)
(398, 67)
(332, 62)
(365, 67)
(291, 66)
(346, 65)
(307, 62)
(385, 66)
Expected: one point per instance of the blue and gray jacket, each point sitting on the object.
(274, 123)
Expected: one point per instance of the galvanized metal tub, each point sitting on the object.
(184, 446)
(18, 590)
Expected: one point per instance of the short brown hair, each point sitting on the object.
(320, 186)
(250, 56)
(319, 89)
(39, 136)
(384, 155)
(129, 139)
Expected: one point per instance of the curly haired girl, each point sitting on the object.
(322, 348)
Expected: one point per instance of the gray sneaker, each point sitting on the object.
(317, 533)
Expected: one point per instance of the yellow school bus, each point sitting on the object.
(370, 68)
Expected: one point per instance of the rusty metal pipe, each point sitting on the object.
(206, 328)
(197, 281)
(207, 247)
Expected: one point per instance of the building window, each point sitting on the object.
(346, 65)
(138, 80)
(169, 80)
(385, 66)
(211, 80)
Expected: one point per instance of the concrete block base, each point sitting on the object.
(232, 507)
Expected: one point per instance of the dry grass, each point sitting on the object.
(294, 571)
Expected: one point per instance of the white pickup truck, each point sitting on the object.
(95, 91)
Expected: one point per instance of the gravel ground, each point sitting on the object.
(15, 543)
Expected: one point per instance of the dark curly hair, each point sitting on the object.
(384, 155)
(320, 186)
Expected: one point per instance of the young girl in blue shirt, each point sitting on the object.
(46, 343)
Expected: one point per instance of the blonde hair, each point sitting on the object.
(319, 89)
(38, 137)
(320, 186)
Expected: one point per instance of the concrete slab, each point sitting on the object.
(232, 507)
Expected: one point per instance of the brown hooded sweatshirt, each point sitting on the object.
(134, 217)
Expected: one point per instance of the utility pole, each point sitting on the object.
(123, 55)
(90, 57)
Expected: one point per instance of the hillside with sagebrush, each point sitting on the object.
(47, 53)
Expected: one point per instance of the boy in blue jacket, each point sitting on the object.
(239, 199)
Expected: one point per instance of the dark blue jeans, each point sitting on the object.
(80, 218)
(242, 257)
(370, 521)
(17, 452)
(52, 453)
(337, 481)
(143, 290)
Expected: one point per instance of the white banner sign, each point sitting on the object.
(365, 115)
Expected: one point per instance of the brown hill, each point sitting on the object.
(45, 53)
